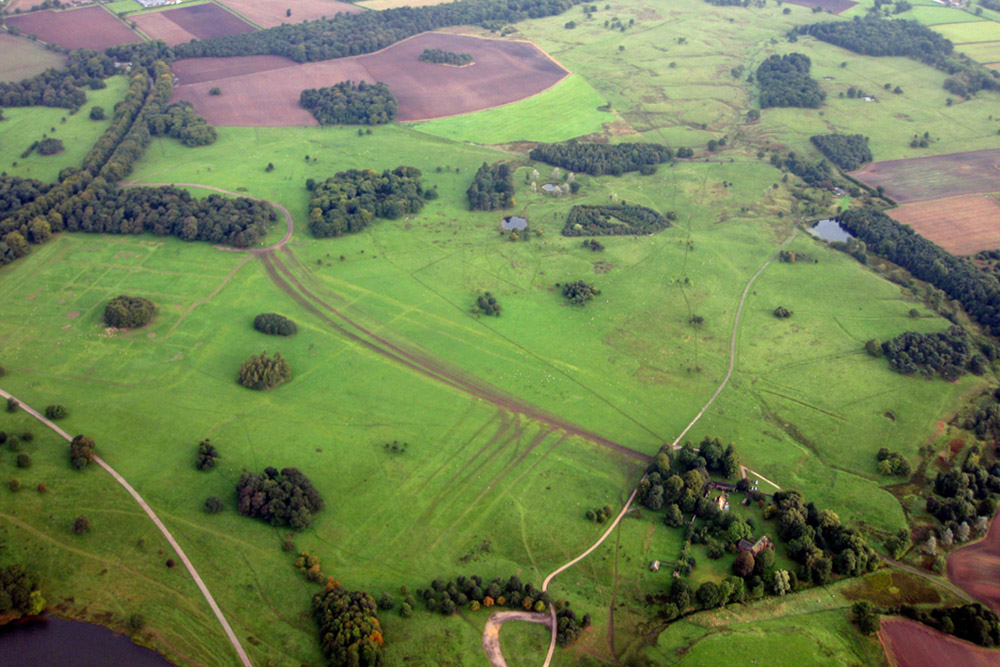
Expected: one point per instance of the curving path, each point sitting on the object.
(289, 223)
(159, 524)
(675, 445)
(491, 633)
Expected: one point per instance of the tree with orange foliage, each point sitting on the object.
(487, 601)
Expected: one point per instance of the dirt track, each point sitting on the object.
(491, 633)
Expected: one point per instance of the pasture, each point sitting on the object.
(23, 58)
(984, 52)
(268, 14)
(85, 28)
(919, 179)
(973, 31)
(379, 5)
(835, 6)
(503, 72)
(937, 15)
(204, 21)
(960, 225)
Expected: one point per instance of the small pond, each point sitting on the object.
(53, 641)
(549, 187)
(830, 230)
(514, 222)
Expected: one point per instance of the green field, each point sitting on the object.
(23, 58)
(123, 6)
(976, 31)
(984, 52)
(938, 15)
(24, 125)
(564, 111)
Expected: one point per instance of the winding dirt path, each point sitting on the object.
(159, 524)
(491, 634)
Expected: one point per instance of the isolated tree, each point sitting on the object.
(744, 564)
(24, 460)
(213, 505)
(13, 404)
(215, 90)
(865, 616)
(81, 451)
(81, 525)
(55, 412)
(930, 546)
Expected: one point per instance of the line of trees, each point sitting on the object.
(349, 103)
(785, 82)
(492, 187)
(365, 32)
(979, 293)
(847, 151)
(601, 159)
(349, 629)
(285, 498)
(351, 200)
(442, 57)
(971, 622)
(615, 220)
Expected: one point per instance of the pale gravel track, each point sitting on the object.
(159, 524)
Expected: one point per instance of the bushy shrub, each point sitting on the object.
(274, 324)
(56, 411)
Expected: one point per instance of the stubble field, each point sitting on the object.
(85, 28)
(960, 225)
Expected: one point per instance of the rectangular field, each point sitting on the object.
(23, 58)
(379, 5)
(176, 26)
(268, 14)
(960, 225)
(984, 52)
(87, 28)
(835, 6)
(938, 15)
(923, 178)
(973, 31)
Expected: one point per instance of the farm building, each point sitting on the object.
(755, 547)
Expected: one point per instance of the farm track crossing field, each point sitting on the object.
(20, 58)
(923, 178)
(268, 13)
(911, 644)
(206, 21)
(976, 568)
(503, 72)
(87, 28)
(961, 225)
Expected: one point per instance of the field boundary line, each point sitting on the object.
(159, 524)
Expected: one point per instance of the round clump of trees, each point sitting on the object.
(55, 411)
(129, 312)
(262, 372)
(274, 325)
(81, 451)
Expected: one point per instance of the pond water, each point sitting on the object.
(51, 641)
(830, 230)
(514, 222)
(549, 187)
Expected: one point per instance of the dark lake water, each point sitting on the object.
(830, 230)
(54, 642)
(514, 222)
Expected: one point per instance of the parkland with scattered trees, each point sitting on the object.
(847, 151)
(129, 312)
(615, 220)
(351, 200)
(601, 159)
(349, 103)
(785, 82)
(442, 57)
(285, 498)
(492, 188)
(261, 372)
(274, 324)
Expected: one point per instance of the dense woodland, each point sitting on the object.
(615, 220)
(979, 293)
(285, 498)
(601, 159)
(949, 353)
(60, 87)
(442, 57)
(492, 187)
(785, 82)
(129, 312)
(847, 151)
(365, 32)
(179, 121)
(349, 629)
(965, 497)
(897, 37)
(349, 103)
(351, 200)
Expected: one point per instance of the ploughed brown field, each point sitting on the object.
(265, 90)
(177, 26)
(86, 28)
(961, 225)
(835, 6)
(976, 569)
(922, 178)
(911, 644)
(269, 13)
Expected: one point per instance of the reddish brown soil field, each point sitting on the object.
(175, 26)
(87, 28)
(265, 92)
(268, 13)
(911, 644)
(922, 178)
(836, 6)
(960, 225)
(976, 569)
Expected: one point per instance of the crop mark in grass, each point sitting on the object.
(267, 601)
(208, 298)
(499, 414)
(803, 403)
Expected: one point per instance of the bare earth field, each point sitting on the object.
(976, 568)
(23, 58)
(922, 178)
(835, 6)
(911, 644)
(504, 72)
(379, 5)
(268, 14)
(176, 26)
(960, 225)
(87, 28)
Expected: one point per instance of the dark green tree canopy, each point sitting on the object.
(349, 103)
(785, 82)
(129, 312)
(262, 372)
(615, 220)
(275, 324)
(847, 151)
(351, 200)
(441, 57)
(601, 159)
(492, 187)
(285, 498)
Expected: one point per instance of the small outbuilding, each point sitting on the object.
(654, 566)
